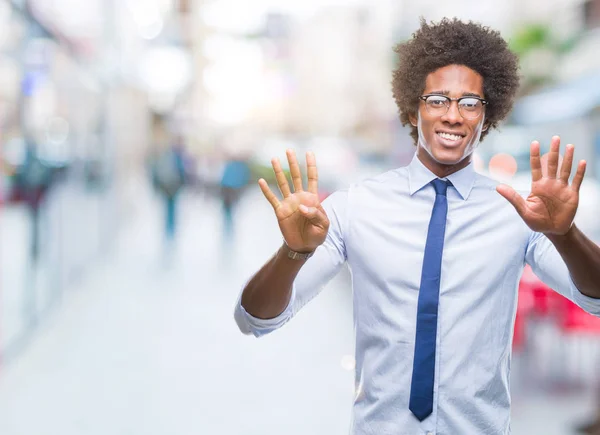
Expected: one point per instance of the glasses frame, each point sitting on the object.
(484, 102)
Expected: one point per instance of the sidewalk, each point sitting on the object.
(148, 348)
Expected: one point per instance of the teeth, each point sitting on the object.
(450, 136)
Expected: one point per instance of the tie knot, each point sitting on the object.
(440, 186)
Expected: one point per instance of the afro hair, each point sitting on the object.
(454, 42)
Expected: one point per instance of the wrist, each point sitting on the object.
(562, 238)
(296, 254)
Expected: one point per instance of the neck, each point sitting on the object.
(440, 169)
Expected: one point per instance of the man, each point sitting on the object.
(436, 251)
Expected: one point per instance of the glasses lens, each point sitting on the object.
(436, 104)
(470, 107)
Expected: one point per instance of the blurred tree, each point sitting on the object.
(540, 49)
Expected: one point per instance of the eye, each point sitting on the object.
(470, 103)
(436, 101)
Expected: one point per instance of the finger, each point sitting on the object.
(567, 163)
(269, 194)
(535, 162)
(311, 170)
(553, 157)
(282, 181)
(295, 171)
(513, 197)
(316, 215)
(578, 178)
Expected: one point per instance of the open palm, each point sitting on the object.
(301, 218)
(552, 204)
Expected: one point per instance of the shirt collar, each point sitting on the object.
(419, 176)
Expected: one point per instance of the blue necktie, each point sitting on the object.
(421, 389)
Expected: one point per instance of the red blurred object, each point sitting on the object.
(525, 306)
(546, 302)
(538, 300)
(574, 320)
(519, 332)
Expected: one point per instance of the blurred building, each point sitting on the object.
(79, 85)
(569, 101)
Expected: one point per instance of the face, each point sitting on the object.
(446, 142)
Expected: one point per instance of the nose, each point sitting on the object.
(453, 115)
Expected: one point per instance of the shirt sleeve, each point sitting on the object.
(548, 265)
(318, 270)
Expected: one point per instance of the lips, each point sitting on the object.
(449, 139)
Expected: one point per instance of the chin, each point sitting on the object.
(448, 157)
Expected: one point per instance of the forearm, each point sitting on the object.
(268, 293)
(582, 257)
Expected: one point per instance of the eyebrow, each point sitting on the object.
(446, 93)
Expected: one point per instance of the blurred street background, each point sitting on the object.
(132, 134)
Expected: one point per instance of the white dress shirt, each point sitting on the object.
(379, 226)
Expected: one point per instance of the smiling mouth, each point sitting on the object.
(450, 137)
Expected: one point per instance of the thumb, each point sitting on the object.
(513, 197)
(315, 215)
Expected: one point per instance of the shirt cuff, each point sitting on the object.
(249, 324)
(587, 303)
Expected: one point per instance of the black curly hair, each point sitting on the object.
(454, 42)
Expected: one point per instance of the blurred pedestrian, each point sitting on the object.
(32, 181)
(235, 178)
(169, 177)
(436, 250)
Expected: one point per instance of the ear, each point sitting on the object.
(413, 119)
(485, 127)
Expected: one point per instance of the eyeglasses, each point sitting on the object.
(468, 107)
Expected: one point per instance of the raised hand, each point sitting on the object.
(551, 206)
(302, 219)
